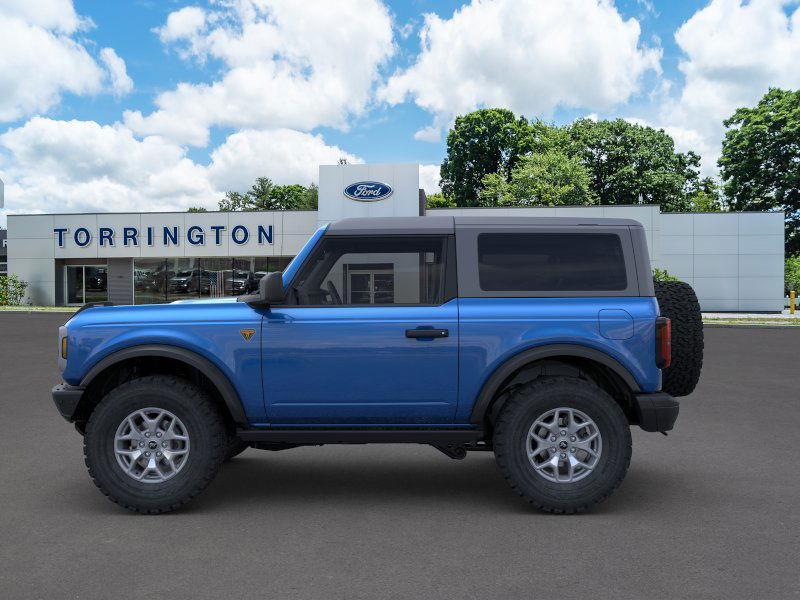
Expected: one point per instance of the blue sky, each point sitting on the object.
(146, 104)
(128, 26)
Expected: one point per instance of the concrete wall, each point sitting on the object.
(734, 261)
(334, 205)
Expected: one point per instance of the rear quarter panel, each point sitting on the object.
(493, 330)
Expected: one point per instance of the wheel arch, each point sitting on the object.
(97, 377)
(505, 373)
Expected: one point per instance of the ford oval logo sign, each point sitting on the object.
(368, 191)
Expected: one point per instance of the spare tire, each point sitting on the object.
(678, 302)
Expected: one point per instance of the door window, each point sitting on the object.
(373, 271)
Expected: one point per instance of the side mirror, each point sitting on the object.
(270, 288)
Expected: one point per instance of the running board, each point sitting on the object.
(362, 436)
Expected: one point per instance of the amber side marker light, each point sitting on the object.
(663, 342)
(64, 347)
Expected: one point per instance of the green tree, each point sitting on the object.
(439, 200)
(663, 275)
(312, 197)
(265, 195)
(234, 201)
(288, 197)
(12, 290)
(760, 162)
(791, 276)
(197, 209)
(549, 179)
(706, 196)
(485, 141)
(627, 161)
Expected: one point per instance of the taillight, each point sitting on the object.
(663, 342)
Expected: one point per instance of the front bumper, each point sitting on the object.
(656, 412)
(67, 398)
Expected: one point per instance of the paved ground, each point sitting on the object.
(712, 511)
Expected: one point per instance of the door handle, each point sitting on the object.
(430, 333)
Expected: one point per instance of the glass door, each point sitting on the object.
(370, 286)
(74, 282)
(86, 283)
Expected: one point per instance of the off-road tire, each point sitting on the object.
(235, 448)
(207, 435)
(535, 398)
(678, 302)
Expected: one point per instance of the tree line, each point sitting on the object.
(265, 195)
(496, 158)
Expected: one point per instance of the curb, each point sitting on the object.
(748, 326)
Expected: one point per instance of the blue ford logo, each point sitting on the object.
(368, 191)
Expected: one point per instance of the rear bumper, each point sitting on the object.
(656, 412)
(67, 398)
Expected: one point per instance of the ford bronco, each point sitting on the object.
(542, 340)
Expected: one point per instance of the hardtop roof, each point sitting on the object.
(444, 225)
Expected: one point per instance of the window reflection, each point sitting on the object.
(169, 279)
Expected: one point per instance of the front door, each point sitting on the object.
(371, 337)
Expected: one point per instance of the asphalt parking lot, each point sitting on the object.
(712, 511)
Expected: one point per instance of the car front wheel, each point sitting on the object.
(154, 443)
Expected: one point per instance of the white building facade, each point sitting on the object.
(733, 260)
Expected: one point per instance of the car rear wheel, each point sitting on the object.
(154, 443)
(562, 443)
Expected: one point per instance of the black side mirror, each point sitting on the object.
(270, 288)
(270, 291)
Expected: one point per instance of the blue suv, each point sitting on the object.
(538, 339)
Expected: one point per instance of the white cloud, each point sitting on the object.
(528, 55)
(734, 51)
(287, 64)
(58, 15)
(81, 166)
(40, 58)
(183, 24)
(429, 178)
(121, 83)
(283, 155)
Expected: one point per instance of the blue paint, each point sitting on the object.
(492, 330)
(130, 234)
(106, 236)
(209, 328)
(355, 365)
(615, 324)
(299, 259)
(240, 235)
(195, 235)
(82, 237)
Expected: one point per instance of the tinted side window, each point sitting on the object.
(368, 271)
(568, 262)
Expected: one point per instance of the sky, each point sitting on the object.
(161, 105)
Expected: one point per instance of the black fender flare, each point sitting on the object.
(506, 369)
(229, 394)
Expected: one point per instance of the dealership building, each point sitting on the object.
(734, 261)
